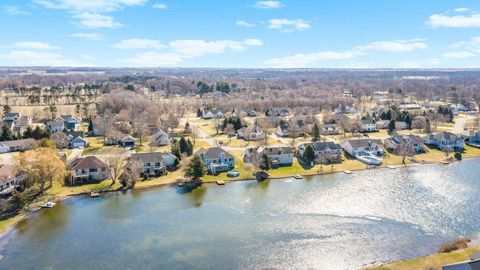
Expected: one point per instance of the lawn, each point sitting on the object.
(244, 170)
(430, 262)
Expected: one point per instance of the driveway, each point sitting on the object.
(8, 158)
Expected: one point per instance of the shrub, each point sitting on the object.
(459, 243)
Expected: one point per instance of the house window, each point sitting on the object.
(93, 169)
(157, 164)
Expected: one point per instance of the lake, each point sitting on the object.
(335, 221)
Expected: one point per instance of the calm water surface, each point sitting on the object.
(323, 222)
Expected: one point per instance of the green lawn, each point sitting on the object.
(431, 262)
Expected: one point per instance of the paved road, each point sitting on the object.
(460, 124)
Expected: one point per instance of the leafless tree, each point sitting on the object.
(115, 166)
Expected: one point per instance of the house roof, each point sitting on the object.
(252, 129)
(444, 135)
(280, 150)
(6, 173)
(86, 163)
(213, 153)
(368, 121)
(148, 157)
(356, 143)
(25, 143)
(11, 114)
(320, 146)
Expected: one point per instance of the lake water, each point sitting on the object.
(323, 222)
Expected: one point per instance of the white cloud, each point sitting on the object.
(442, 20)
(303, 60)
(179, 50)
(287, 25)
(91, 13)
(96, 20)
(470, 45)
(31, 58)
(244, 23)
(160, 6)
(88, 36)
(461, 9)
(395, 46)
(459, 54)
(138, 43)
(35, 45)
(15, 10)
(268, 4)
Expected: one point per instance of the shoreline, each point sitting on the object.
(26, 214)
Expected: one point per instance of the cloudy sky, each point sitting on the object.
(250, 34)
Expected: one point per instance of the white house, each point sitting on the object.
(57, 124)
(278, 156)
(363, 147)
(78, 142)
(442, 140)
(213, 113)
(251, 133)
(329, 129)
(415, 142)
(368, 125)
(160, 138)
(216, 159)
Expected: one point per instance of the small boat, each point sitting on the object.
(180, 184)
(94, 194)
(297, 176)
(220, 182)
(49, 204)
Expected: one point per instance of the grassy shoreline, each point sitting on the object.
(59, 193)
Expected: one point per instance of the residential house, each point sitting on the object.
(127, 141)
(444, 140)
(397, 141)
(368, 125)
(251, 112)
(382, 124)
(152, 163)
(71, 122)
(278, 156)
(291, 131)
(363, 147)
(216, 159)
(474, 138)
(17, 145)
(277, 111)
(212, 113)
(268, 122)
(160, 138)
(10, 119)
(8, 180)
(78, 142)
(400, 125)
(345, 109)
(57, 124)
(325, 152)
(251, 133)
(87, 169)
(329, 129)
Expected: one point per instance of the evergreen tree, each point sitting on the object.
(28, 133)
(195, 168)
(7, 109)
(315, 132)
(90, 126)
(176, 150)
(190, 148)
(7, 134)
(309, 154)
(184, 147)
(391, 126)
(408, 121)
(199, 113)
(264, 163)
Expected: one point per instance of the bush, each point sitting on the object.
(459, 243)
(458, 156)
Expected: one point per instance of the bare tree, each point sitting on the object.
(132, 172)
(115, 166)
(405, 150)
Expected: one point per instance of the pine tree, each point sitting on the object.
(195, 168)
(28, 133)
(391, 126)
(90, 126)
(309, 154)
(264, 163)
(7, 134)
(190, 148)
(315, 132)
(184, 147)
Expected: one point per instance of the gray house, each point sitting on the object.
(216, 159)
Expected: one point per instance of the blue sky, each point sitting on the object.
(250, 34)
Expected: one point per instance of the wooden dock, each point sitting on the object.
(347, 172)
(220, 182)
